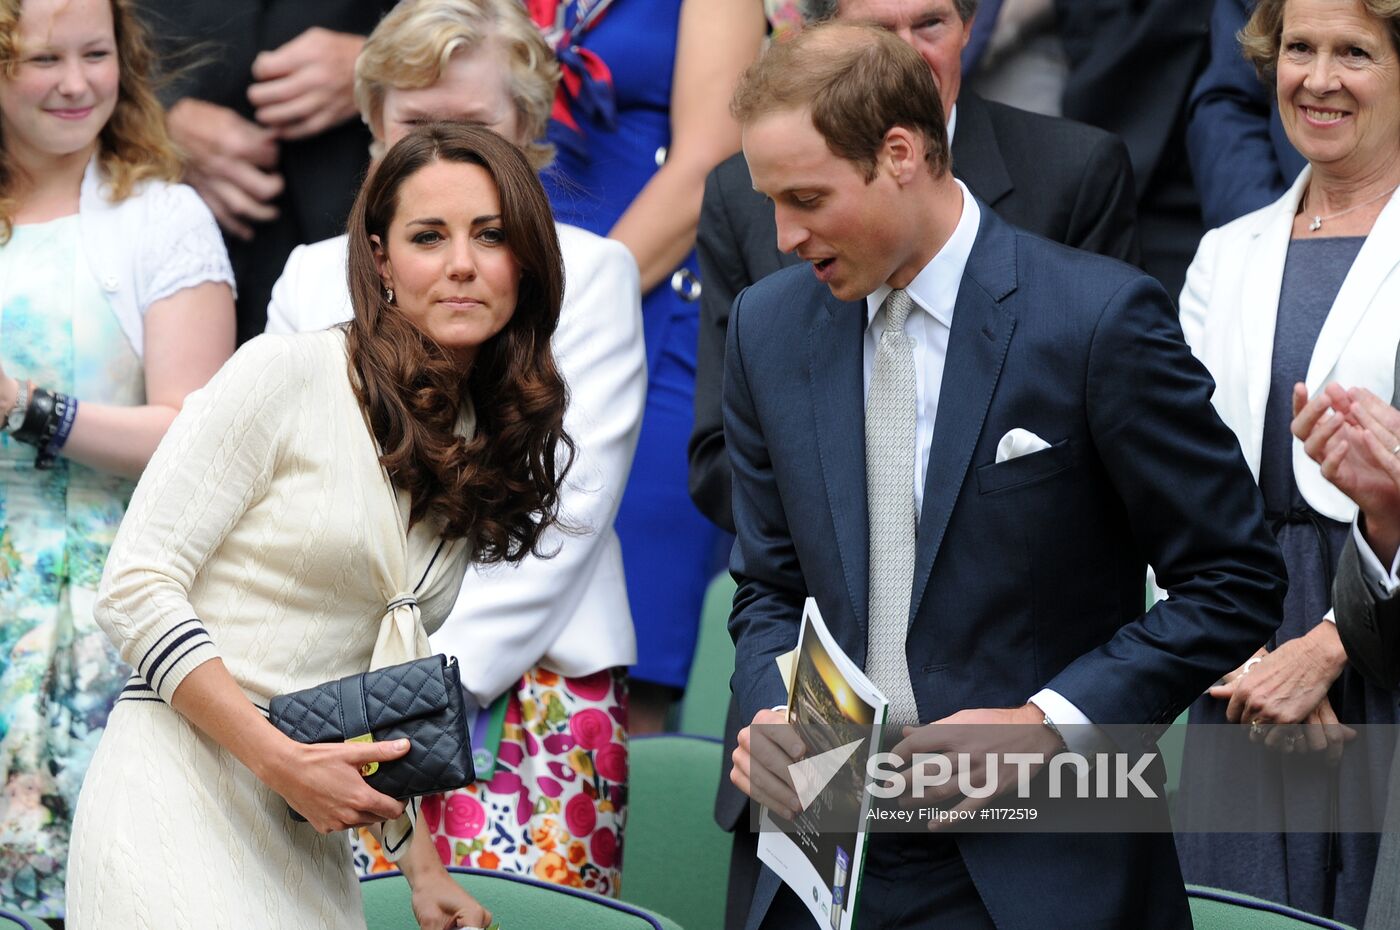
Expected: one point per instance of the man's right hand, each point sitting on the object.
(766, 748)
(231, 163)
(322, 782)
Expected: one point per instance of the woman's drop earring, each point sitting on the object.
(389, 292)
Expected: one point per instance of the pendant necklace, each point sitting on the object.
(1318, 220)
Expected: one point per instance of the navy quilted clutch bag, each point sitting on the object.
(420, 701)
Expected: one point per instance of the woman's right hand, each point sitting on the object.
(322, 782)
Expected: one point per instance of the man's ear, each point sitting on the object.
(902, 153)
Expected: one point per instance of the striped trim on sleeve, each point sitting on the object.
(176, 653)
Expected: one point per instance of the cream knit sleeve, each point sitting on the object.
(218, 457)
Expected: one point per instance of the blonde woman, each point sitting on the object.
(115, 302)
(543, 643)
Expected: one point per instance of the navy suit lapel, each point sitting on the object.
(977, 160)
(977, 345)
(835, 348)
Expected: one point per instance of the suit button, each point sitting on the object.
(110, 284)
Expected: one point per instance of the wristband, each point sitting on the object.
(65, 412)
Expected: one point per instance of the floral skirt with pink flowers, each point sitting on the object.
(557, 805)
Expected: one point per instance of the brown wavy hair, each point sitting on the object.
(134, 146)
(499, 489)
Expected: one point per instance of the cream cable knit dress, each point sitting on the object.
(264, 532)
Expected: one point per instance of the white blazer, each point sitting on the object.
(568, 612)
(1229, 307)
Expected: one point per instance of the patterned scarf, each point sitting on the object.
(586, 82)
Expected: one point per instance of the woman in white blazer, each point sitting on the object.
(544, 642)
(1278, 304)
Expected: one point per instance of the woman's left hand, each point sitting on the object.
(439, 903)
(1286, 685)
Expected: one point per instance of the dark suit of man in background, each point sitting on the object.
(1132, 64)
(1240, 156)
(1063, 180)
(264, 110)
(1025, 595)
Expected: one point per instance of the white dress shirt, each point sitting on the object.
(1382, 582)
(934, 292)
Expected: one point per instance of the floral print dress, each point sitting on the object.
(556, 807)
(59, 674)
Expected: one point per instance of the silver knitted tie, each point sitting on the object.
(890, 434)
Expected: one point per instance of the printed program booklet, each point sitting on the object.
(839, 713)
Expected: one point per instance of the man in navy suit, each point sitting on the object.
(1062, 440)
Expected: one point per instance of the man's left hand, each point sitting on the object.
(307, 85)
(979, 733)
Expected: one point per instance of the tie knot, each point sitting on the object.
(897, 306)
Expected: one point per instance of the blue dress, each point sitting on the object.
(667, 545)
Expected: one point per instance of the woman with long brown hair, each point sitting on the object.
(116, 301)
(311, 515)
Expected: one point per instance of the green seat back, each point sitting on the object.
(517, 902)
(707, 691)
(12, 921)
(1214, 909)
(675, 858)
(1172, 746)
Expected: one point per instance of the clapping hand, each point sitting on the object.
(1355, 437)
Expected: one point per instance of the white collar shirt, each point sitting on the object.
(934, 291)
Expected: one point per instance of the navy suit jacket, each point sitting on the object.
(1029, 573)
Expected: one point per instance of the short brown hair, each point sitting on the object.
(1262, 36)
(133, 146)
(499, 489)
(858, 82)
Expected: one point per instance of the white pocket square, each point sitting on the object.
(1019, 442)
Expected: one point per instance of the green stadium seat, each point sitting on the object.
(1215, 909)
(12, 921)
(707, 692)
(675, 858)
(515, 901)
